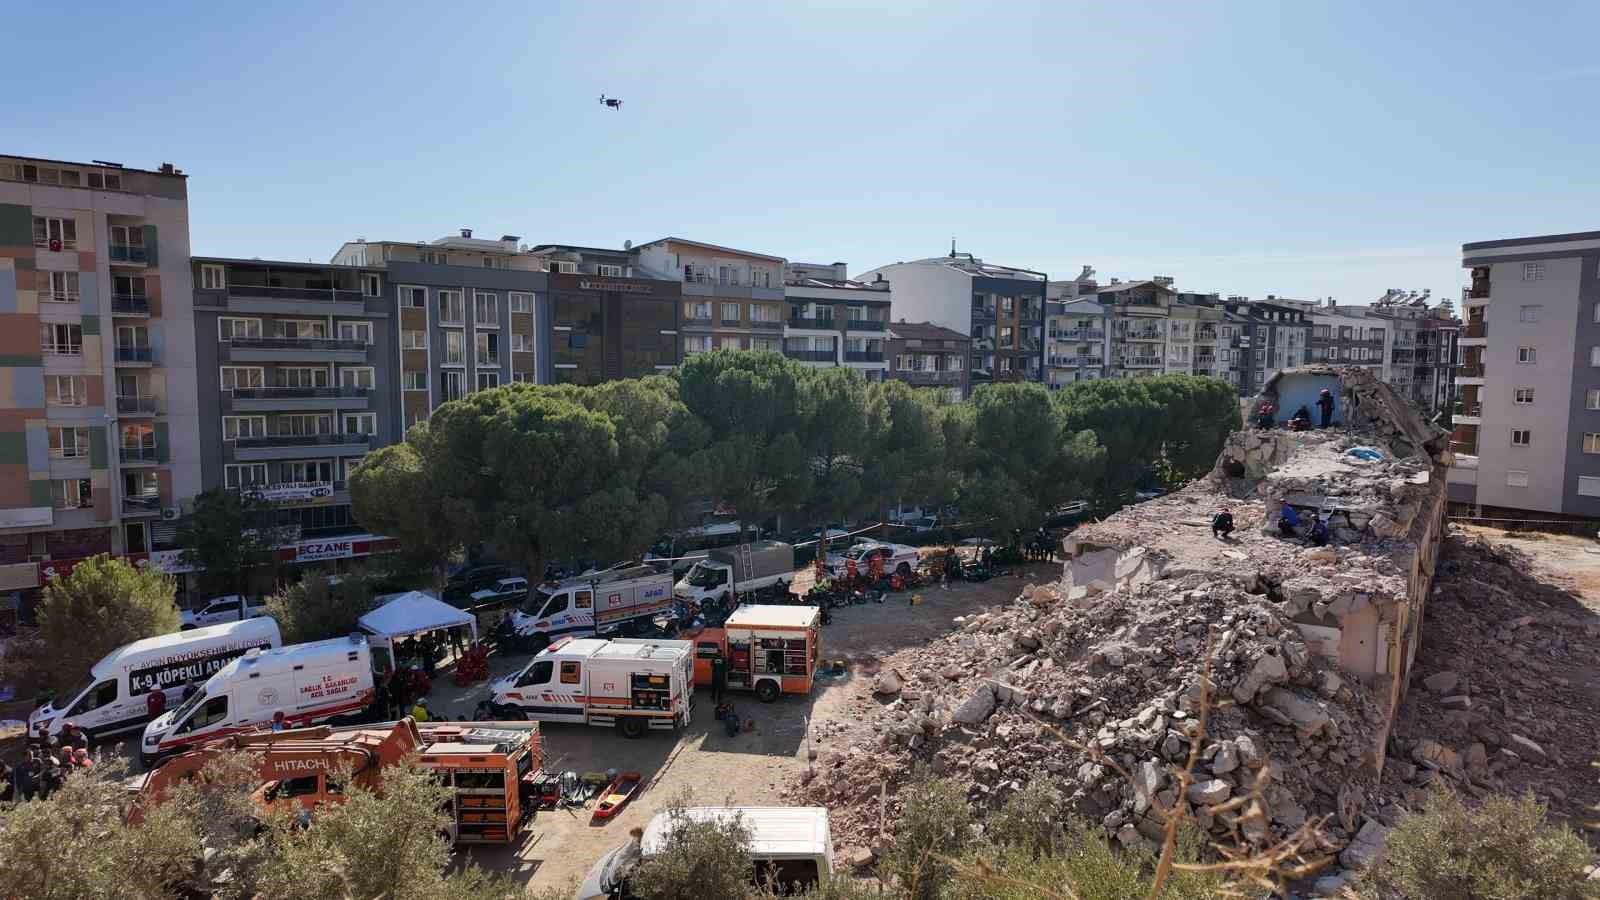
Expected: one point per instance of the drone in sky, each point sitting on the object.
(610, 102)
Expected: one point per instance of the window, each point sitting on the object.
(565, 268)
(371, 286)
(413, 297)
(61, 339)
(609, 271)
(488, 349)
(60, 287)
(353, 331)
(414, 340)
(242, 475)
(64, 390)
(455, 353)
(451, 386)
(486, 310)
(488, 380)
(55, 233)
(229, 328)
(235, 427)
(1529, 314)
(1591, 442)
(127, 236)
(69, 443)
(356, 377)
(730, 313)
(299, 329)
(1528, 355)
(308, 470)
(697, 311)
(760, 312)
(726, 276)
(215, 710)
(521, 343)
(452, 309)
(415, 381)
(107, 181)
(521, 303)
(361, 423)
(522, 377)
(304, 424)
(236, 377)
(765, 343)
(213, 277)
(1589, 485)
(696, 343)
(1523, 396)
(71, 493)
(1533, 271)
(730, 343)
(1521, 437)
(571, 672)
(1592, 399)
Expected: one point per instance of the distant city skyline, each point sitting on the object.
(1297, 150)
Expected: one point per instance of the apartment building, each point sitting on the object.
(1273, 335)
(297, 375)
(469, 314)
(925, 355)
(607, 320)
(1527, 425)
(732, 299)
(1140, 313)
(100, 418)
(834, 321)
(1192, 336)
(1001, 308)
(1078, 340)
(1420, 353)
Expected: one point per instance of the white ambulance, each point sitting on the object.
(583, 605)
(308, 683)
(115, 697)
(632, 684)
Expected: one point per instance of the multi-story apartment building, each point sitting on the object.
(1421, 347)
(297, 375)
(930, 356)
(732, 299)
(1140, 313)
(1527, 423)
(1275, 336)
(1192, 337)
(468, 314)
(1000, 308)
(834, 321)
(98, 369)
(1078, 339)
(606, 320)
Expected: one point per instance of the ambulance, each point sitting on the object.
(589, 603)
(633, 685)
(309, 683)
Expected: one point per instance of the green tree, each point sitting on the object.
(833, 407)
(315, 610)
(905, 446)
(100, 605)
(392, 493)
(935, 827)
(1020, 461)
(749, 406)
(229, 533)
(708, 859)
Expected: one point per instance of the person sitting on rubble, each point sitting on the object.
(1222, 525)
(1319, 533)
(1264, 414)
(1301, 420)
(1288, 521)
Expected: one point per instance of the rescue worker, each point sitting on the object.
(279, 722)
(1325, 404)
(719, 677)
(155, 703)
(1301, 420)
(190, 688)
(419, 712)
(1319, 532)
(27, 776)
(1222, 525)
(1264, 414)
(1288, 520)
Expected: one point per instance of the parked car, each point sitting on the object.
(1066, 513)
(473, 578)
(511, 590)
(1140, 496)
(220, 610)
(895, 558)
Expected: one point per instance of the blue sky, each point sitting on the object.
(1302, 149)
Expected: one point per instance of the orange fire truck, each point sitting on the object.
(772, 650)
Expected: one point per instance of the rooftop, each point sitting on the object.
(924, 331)
(704, 246)
(166, 169)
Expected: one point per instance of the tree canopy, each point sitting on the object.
(100, 605)
(227, 534)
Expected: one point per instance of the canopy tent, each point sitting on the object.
(414, 613)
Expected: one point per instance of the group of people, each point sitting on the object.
(1288, 526)
(395, 695)
(1266, 413)
(426, 650)
(46, 766)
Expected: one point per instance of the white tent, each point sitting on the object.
(413, 613)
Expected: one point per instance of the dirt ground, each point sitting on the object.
(749, 769)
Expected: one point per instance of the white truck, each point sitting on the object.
(757, 568)
(308, 683)
(115, 697)
(632, 685)
(582, 606)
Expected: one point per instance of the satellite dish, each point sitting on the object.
(627, 245)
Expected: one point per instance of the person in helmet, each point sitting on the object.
(1325, 404)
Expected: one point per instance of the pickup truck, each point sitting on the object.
(220, 610)
(896, 559)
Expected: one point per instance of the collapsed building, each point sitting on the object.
(1307, 648)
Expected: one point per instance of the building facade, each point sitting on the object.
(1275, 336)
(834, 321)
(606, 321)
(100, 420)
(1527, 422)
(732, 299)
(1000, 308)
(1078, 340)
(924, 355)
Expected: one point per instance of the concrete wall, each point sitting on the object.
(1586, 376)
(1295, 390)
(926, 292)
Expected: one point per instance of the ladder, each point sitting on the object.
(744, 561)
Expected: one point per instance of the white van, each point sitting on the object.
(116, 695)
(790, 845)
(308, 683)
(222, 609)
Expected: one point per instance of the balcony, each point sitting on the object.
(297, 446)
(728, 323)
(145, 454)
(863, 356)
(820, 356)
(130, 305)
(865, 325)
(1209, 334)
(271, 399)
(260, 298)
(285, 349)
(760, 325)
(136, 356)
(1143, 336)
(128, 255)
(486, 361)
(1467, 413)
(983, 312)
(142, 505)
(1142, 362)
(948, 378)
(816, 323)
(138, 406)
(1470, 370)
(696, 322)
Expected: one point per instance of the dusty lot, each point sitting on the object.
(748, 769)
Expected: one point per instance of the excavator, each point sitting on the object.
(490, 769)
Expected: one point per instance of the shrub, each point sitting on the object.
(1080, 856)
(316, 610)
(100, 605)
(935, 826)
(1502, 850)
(705, 859)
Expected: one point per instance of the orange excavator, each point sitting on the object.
(489, 768)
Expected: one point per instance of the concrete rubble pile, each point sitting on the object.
(1307, 651)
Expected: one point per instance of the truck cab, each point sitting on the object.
(708, 579)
